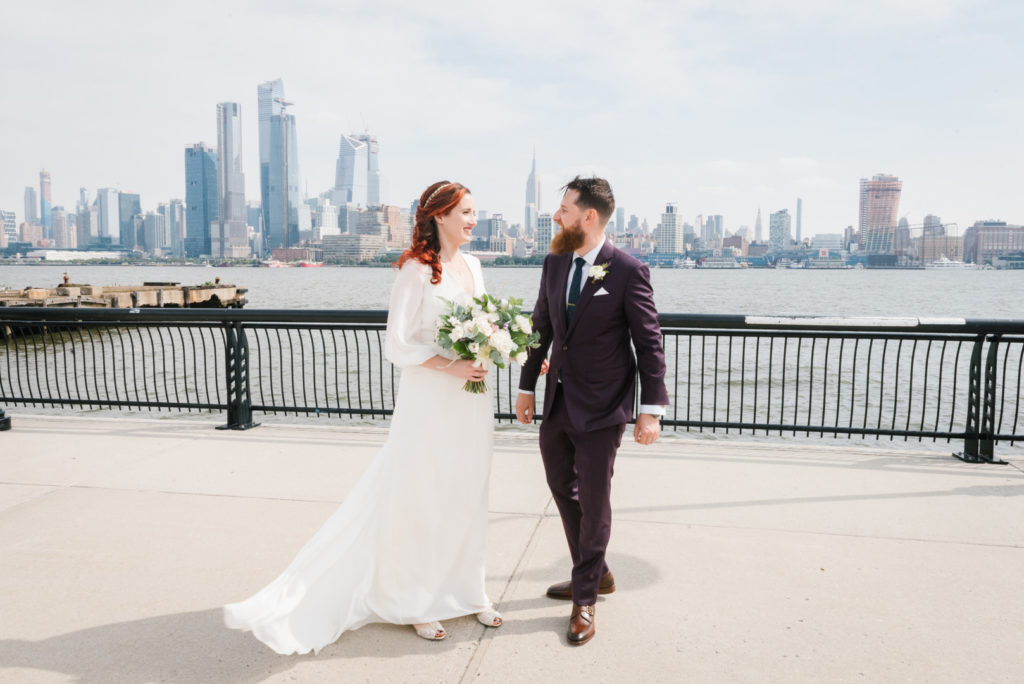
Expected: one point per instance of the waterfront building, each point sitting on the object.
(176, 227)
(229, 234)
(153, 235)
(987, 242)
(373, 174)
(348, 218)
(779, 235)
(284, 202)
(202, 199)
(738, 243)
(935, 247)
(829, 241)
(533, 201)
(269, 103)
(128, 207)
(350, 172)
(879, 207)
(372, 222)
(62, 236)
(799, 220)
(669, 233)
(84, 225)
(31, 206)
(545, 231)
(326, 222)
(714, 231)
(933, 226)
(108, 216)
(45, 201)
(350, 247)
(8, 224)
(758, 235)
(31, 233)
(498, 233)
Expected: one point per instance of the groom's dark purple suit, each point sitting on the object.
(589, 394)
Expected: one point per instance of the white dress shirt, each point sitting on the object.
(590, 257)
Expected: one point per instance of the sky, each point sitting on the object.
(721, 106)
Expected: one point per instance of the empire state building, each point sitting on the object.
(532, 199)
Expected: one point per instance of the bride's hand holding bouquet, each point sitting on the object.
(486, 332)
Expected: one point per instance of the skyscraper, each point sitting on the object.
(545, 228)
(31, 206)
(45, 201)
(779, 234)
(532, 199)
(799, 219)
(350, 172)
(933, 225)
(128, 207)
(373, 191)
(879, 207)
(283, 190)
(108, 217)
(669, 233)
(269, 96)
(758, 235)
(202, 200)
(176, 227)
(229, 236)
(620, 220)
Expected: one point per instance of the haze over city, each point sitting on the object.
(720, 107)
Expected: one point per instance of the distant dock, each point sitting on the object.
(149, 294)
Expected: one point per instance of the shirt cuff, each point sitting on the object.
(652, 409)
(526, 392)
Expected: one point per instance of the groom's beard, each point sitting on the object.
(567, 240)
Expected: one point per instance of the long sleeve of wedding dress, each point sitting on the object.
(407, 545)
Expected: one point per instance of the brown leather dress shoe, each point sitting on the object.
(581, 625)
(563, 590)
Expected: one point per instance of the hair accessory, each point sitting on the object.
(434, 194)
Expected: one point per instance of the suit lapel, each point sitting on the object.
(590, 286)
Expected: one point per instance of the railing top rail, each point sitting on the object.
(669, 321)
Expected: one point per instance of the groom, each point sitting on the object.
(594, 301)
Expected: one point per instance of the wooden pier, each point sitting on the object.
(156, 294)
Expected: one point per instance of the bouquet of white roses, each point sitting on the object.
(487, 331)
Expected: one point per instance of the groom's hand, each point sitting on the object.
(647, 428)
(526, 406)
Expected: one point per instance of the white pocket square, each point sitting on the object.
(600, 292)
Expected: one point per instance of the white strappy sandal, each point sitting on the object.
(489, 618)
(431, 631)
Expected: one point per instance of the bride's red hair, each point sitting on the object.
(437, 200)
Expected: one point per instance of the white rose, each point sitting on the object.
(474, 347)
(521, 358)
(482, 324)
(458, 331)
(523, 324)
(502, 342)
(504, 303)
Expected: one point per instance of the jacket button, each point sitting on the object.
(565, 347)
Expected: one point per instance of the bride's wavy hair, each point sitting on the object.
(437, 200)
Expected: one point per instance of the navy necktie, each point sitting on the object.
(574, 289)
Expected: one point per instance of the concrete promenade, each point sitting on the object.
(789, 561)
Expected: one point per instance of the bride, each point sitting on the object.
(408, 545)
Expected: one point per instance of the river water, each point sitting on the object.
(965, 294)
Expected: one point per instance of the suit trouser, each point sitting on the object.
(579, 467)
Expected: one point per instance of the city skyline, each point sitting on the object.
(842, 94)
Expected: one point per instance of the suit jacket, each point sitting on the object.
(593, 355)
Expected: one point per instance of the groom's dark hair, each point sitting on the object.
(595, 193)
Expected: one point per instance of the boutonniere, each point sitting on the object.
(598, 272)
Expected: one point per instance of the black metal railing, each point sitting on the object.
(896, 378)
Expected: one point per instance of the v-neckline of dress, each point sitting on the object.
(451, 277)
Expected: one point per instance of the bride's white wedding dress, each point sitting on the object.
(408, 544)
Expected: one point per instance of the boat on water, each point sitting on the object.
(310, 264)
(274, 263)
(942, 263)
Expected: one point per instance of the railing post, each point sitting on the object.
(5, 421)
(236, 366)
(988, 407)
(970, 452)
(979, 445)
